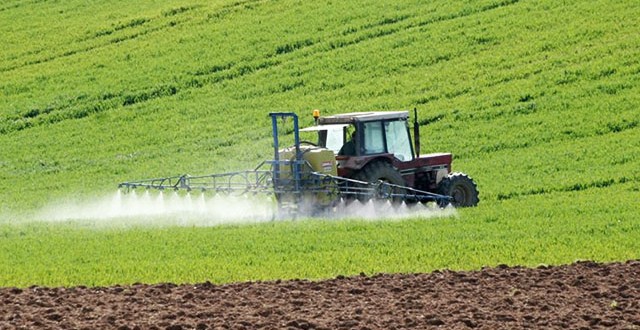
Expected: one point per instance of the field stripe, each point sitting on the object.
(578, 186)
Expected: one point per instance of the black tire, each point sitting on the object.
(461, 188)
(379, 171)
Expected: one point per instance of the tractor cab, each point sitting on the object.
(359, 138)
(366, 134)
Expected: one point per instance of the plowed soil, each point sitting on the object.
(584, 295)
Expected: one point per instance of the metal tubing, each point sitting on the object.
(297, 175)
(276, 155)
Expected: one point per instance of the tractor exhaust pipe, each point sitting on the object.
(416, 132)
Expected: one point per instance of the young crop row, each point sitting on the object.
(85, 95)
(191, 65)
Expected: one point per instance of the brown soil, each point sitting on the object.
(584, 295)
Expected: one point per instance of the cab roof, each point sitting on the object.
(352, 117)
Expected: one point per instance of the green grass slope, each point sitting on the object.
(538, 101)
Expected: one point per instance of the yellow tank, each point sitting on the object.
(321, 160)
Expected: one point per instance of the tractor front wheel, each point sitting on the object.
(461, 188)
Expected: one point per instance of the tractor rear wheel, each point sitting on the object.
(461, 188)
(379, 171)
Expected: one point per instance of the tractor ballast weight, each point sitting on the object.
(309, 179)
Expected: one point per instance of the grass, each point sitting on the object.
(536, 100)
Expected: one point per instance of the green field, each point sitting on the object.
(537, 100)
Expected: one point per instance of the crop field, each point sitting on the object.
(537, 100)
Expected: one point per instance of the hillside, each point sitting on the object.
(531, 97)
(537, 100)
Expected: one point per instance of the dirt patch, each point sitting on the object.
(584, 295)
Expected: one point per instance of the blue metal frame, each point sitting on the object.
(297, 164)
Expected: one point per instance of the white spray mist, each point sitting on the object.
(170, 208)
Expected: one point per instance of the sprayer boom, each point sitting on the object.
(308, 187)
(231, 183)
(315, 194)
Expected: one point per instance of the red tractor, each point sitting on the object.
(376, 146)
